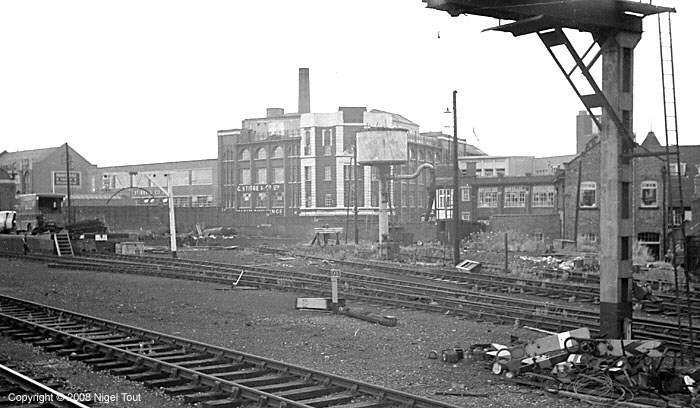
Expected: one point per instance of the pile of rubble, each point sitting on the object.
(633, 373)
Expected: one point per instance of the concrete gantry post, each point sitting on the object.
(615, 187)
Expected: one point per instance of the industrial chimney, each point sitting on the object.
(304, 91)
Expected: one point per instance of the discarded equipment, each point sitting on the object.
(573, 364)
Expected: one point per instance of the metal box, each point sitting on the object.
(382, 146)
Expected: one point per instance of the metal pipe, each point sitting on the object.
(415, 174)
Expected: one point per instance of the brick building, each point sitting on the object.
(44, 170)
(654, 205)
(7, 191)
(513, 193)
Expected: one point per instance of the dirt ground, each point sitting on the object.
(267, 324)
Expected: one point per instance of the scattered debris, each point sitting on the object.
(596, 370)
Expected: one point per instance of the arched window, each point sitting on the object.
(244, 155)
(261, 153)
(277, 152)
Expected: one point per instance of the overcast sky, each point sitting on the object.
(147, 81)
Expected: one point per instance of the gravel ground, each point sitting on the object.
(266, 323)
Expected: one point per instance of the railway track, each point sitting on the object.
(501, 282)
(201, 373)
(378, 290)
(20, 389)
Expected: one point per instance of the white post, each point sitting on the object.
(383, 205)
(171, 211)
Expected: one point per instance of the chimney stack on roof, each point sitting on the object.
(304, 91)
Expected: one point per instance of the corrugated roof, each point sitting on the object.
(7, 158)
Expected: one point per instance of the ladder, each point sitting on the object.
(668, 82)
(63, 244)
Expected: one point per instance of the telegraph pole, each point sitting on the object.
(70, 218)
(455, 181)
(354, 177)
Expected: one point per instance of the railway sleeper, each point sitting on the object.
(203, 396)
(165, 382)
(313, 391)
(186, 389)
(273, 388)
(222, 368)
(270, 379)
(329, 400)
(175, 359)
(128, 370)
(147, 376)
(108, 365)
(242, 374)
(222, 403)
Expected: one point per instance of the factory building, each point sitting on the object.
(301, 164)
(194, 183)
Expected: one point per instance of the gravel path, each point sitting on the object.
(266, 323)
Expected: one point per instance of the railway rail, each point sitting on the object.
(501, 282)
(200, 373)
(380, 290)
(19, 389)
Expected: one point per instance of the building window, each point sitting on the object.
(465, 192)
(202, 177)
(278, 199)
(678, 216)
(652, 241)
(261, 200)
(649, 196)
(488, 197)
(245, 200)
(261, 176)
(466, 216)
(539, 236)
(180, 178)
(203, 201)
(327, 173)
(261, 153)
(307, 143)
(244, 177)
(327, 140)
(443, 203)
(328, 201)
(307, 173)
(277, 152)
(515, 196)
(590, 237)
(347, 172)
(543, 196)
(278, 175)
(181, 201)
(244, 155)
(674, 168)
(412, 199)
(588, 194)
(501, 172)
